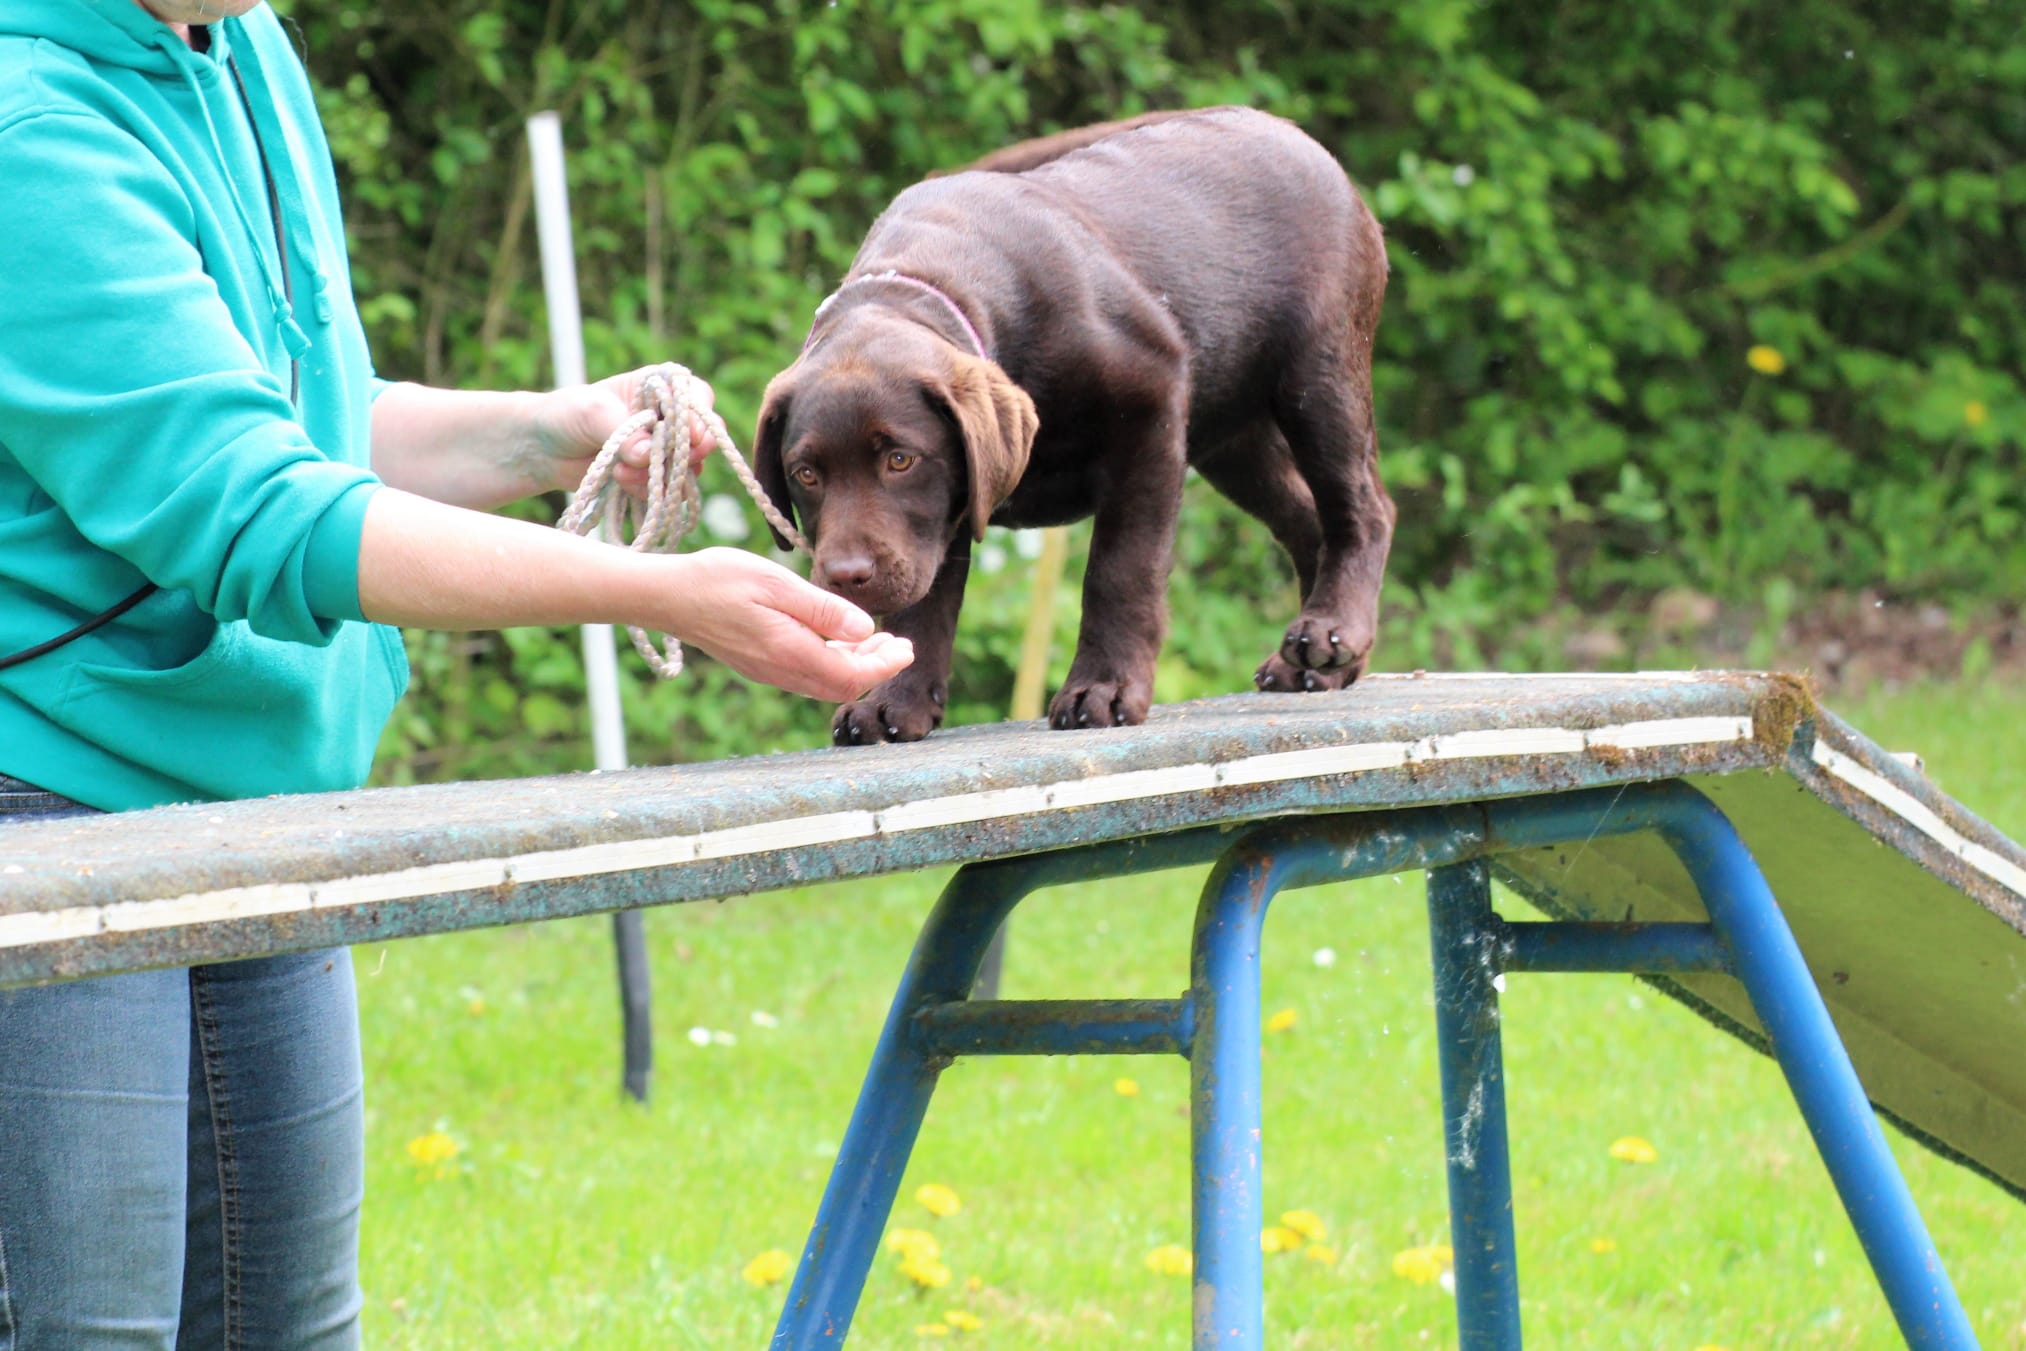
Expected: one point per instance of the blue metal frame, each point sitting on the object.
(1216, 1026)
(1467, 965)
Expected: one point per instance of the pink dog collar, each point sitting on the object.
(901, 279)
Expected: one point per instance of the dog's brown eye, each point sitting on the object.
(898, 460)
(805, 476)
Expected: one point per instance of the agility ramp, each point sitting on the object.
(1580, 791)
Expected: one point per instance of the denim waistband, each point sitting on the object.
(18, 796)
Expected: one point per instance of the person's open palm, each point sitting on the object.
(768, 624)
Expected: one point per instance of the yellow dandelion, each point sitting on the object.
(433, 1149)
(962, 1321)
(926, 1272)
(918, 1243)
(1601, 1246)
(1171, 1259)
(1711, 1346)
(769, 1268)
(1306, 1223)
(1282, 1021)
(1974, 412)
(1634, 1149)
(932, 1329)
(1126, 1088)
(974, 1283)
(1424, 1264)
(1321, 1254)
(1279, 1238)
(1766, 360)
(938, 1200)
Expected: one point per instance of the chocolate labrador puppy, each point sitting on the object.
(1061, 332)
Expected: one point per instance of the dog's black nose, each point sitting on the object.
(848, 573)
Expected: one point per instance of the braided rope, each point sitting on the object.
(666, 402)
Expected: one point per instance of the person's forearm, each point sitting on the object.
(428, 565)
(424, 564)
(471, 448)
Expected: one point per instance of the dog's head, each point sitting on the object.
(885, 440)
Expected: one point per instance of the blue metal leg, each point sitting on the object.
(1465, 942)
(915, 1045)
(895, 1097)
(1804, 1040)
(1224, 1106)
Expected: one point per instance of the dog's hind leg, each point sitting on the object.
(1256, 471)
(1326, 415)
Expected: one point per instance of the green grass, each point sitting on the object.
(571, 1218)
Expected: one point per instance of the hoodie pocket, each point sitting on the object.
(227, 640)
(247, 716)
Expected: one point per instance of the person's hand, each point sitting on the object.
(572, 425)
(768, 624)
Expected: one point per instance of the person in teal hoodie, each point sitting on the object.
(212, 514)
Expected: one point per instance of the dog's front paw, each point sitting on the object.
(889, 714)
(1100, 703)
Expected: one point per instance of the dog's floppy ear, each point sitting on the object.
(997, 422)
(767, 465)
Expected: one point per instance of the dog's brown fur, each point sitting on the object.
(1196, 288)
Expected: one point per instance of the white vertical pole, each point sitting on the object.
(566, 343)
(601, 665)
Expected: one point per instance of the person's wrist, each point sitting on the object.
(541, 439)
(674, 588)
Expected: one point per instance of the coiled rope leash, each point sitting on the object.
(665, 402)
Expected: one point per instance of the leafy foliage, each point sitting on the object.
(1594, 214)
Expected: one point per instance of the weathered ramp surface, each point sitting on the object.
(1912, 912)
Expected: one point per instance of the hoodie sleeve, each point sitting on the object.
(128, 394)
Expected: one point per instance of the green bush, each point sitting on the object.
(1729, 297)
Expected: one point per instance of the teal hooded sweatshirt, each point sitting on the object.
(147, 432)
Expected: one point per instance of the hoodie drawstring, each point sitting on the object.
(293, 210)
(293, 339)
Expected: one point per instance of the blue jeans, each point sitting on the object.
(181, 1153)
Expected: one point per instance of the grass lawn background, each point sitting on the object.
(570, 1217)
